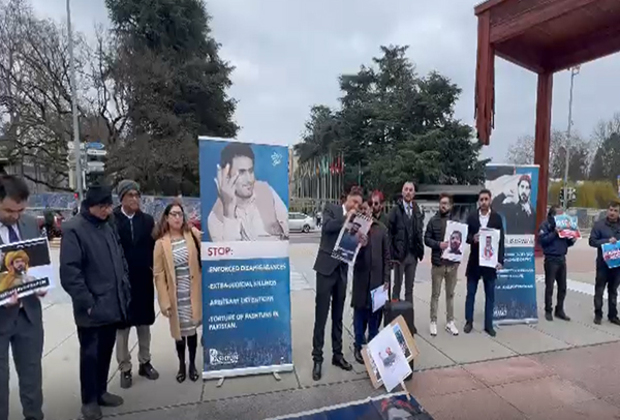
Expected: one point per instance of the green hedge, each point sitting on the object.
(590, 194)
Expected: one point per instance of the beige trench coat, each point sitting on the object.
(165, 280)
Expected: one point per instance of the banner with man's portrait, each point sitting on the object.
(25, 268)
(244, 196)
(514, 190)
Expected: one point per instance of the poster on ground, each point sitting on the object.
(406, 342)
(397, 406)
(348, 244)
(515, 192)
(611, 254)
(245, 258)
(568, 226)
(389, 358)
(25, 268)
(455, 236)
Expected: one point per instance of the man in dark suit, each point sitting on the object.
(331, 283)
(485, 217)
(21, 320)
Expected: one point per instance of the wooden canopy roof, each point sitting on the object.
(544, 36)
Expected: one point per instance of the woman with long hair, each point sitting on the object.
(176, 268)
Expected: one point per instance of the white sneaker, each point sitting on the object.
(433, 329)
(451, 328)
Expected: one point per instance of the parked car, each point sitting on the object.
(300, 222)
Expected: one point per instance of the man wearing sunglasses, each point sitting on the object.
(377, 201)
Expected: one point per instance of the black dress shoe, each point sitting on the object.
(341, 362)
(357, 353)
(615, 321)
(562, 316)
(598, 320)
(548, 316)
(91, 412)
(110, 400)
(316, 371)
(468, 327)
(490, 331)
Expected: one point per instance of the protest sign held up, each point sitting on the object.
(568, 226)
(26, 268)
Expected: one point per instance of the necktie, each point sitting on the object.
(13, 237)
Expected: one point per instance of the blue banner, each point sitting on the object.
(245, 258)
(611, 254)
(390, 407)
(515, 193)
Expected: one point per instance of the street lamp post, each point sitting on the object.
(76, 128)
(574, 71)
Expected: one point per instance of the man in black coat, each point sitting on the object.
(135, 231)
(485, 217)
(603, 232)
(371, 270)
(406, 224)
(555, 250)
(331, 283)
(93, 272)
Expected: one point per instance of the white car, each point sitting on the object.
(300, 222)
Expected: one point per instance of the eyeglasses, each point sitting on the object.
(175, 214)
(376, 203)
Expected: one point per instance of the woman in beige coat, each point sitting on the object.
(176, 268)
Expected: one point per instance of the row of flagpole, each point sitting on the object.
(320, 178)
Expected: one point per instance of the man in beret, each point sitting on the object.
(93, 272)
(135, 231)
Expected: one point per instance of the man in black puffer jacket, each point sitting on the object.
(441, 269)
(555, 249)
(93, 272)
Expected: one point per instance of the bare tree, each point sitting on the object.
(35, 93)
(604, 129)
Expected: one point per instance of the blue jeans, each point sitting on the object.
(362, 319)
(489, 292)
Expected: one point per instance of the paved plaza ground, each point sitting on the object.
(544, 371)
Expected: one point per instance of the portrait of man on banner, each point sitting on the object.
(246, 209)
(513, 200)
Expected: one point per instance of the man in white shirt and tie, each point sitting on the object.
(21, 320)
(406, 223)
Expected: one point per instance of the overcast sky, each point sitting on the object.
(289, 53)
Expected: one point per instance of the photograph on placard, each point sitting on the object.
(455, 236)
(489, 247)
(348, 243)
(25, 268)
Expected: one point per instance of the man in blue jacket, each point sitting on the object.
(555, 249)
(605, 231)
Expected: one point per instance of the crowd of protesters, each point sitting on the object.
(396, 243)
(113, 259)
